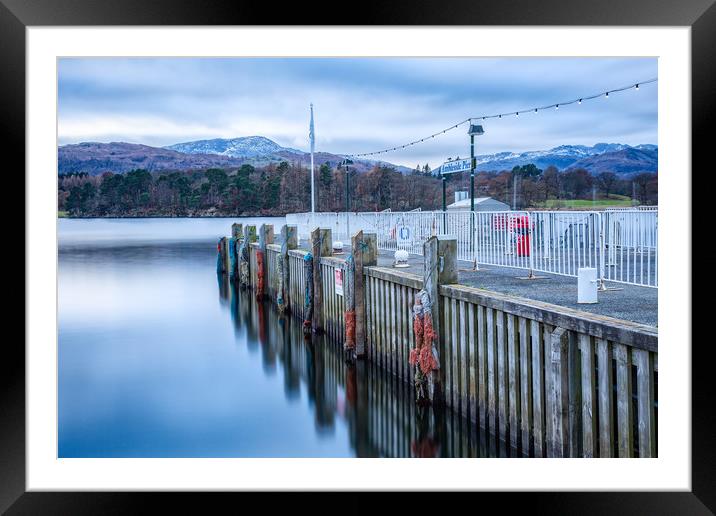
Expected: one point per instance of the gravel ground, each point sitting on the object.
(631, 302)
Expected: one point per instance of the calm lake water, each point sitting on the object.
(160, 357)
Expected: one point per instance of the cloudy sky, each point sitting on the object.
(361, 104)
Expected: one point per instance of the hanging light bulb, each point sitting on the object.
(535, 110)
(517, 114)
(556, 106)
(580, 101)
(606, 95)
(636, 86)
(500, 116)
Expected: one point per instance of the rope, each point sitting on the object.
(424, 355)
(308, 292)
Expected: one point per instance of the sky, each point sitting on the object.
(360, 104)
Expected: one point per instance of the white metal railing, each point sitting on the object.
(621, 243)
(562, 242)
(631, 247)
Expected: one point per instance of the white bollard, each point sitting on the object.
(401, 258)
(587, 285)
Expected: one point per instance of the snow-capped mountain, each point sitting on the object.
(565, 156)
(246, 147)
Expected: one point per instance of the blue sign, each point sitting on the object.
(451, 167)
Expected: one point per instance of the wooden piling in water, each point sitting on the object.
(289, 241)
(440, 267)
(321, 245)
(221, 258)
(237, 231)
(244, 256)
(365, 254)
(265, 238)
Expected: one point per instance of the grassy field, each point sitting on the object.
(61, 214)
(616, 201)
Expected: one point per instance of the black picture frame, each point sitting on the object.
(700, 15)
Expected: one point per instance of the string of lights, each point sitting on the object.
(556, 105)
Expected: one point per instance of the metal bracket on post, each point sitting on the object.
(602, 286)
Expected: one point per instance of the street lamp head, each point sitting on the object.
(475, 130)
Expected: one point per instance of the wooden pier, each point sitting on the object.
(548, 380)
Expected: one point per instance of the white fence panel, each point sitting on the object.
(621, 243)
(631, 247)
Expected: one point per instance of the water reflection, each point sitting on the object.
(157, 359)
(382, 419)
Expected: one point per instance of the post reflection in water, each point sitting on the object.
(378, 409)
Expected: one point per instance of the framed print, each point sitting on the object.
(309, 257)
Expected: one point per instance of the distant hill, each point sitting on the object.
(615, 157)
(246, 147)
(623, 162)
(96, 158)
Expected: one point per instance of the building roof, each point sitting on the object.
(466, 202)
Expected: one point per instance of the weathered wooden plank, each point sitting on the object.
(384, 325)
(400, 277)
(645, 402)
(482, 381)
(626, 332)
(446, 356)
(574, 367)
(370, 318)
(471, 358)
(491, 370)
(392, 326)
(321, 246)
(502, 380)
(589, 406)
(525, 385)
(405, 336)
(625, 444)
(558, 395)
(513, 367)
(463, 358)
(455, 355)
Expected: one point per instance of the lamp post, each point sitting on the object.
(444, 178)
(345, 164)
(474, 130)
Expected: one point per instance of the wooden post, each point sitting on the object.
(321, 245)
(245, 256)
(440, 267)
(365, 254)
(265, 238)
(558, 395)
(289, 240)
(237, 231)
(221, 259)
(251, 233)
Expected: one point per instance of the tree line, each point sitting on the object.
(277, 189)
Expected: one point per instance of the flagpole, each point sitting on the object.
(312, 135)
